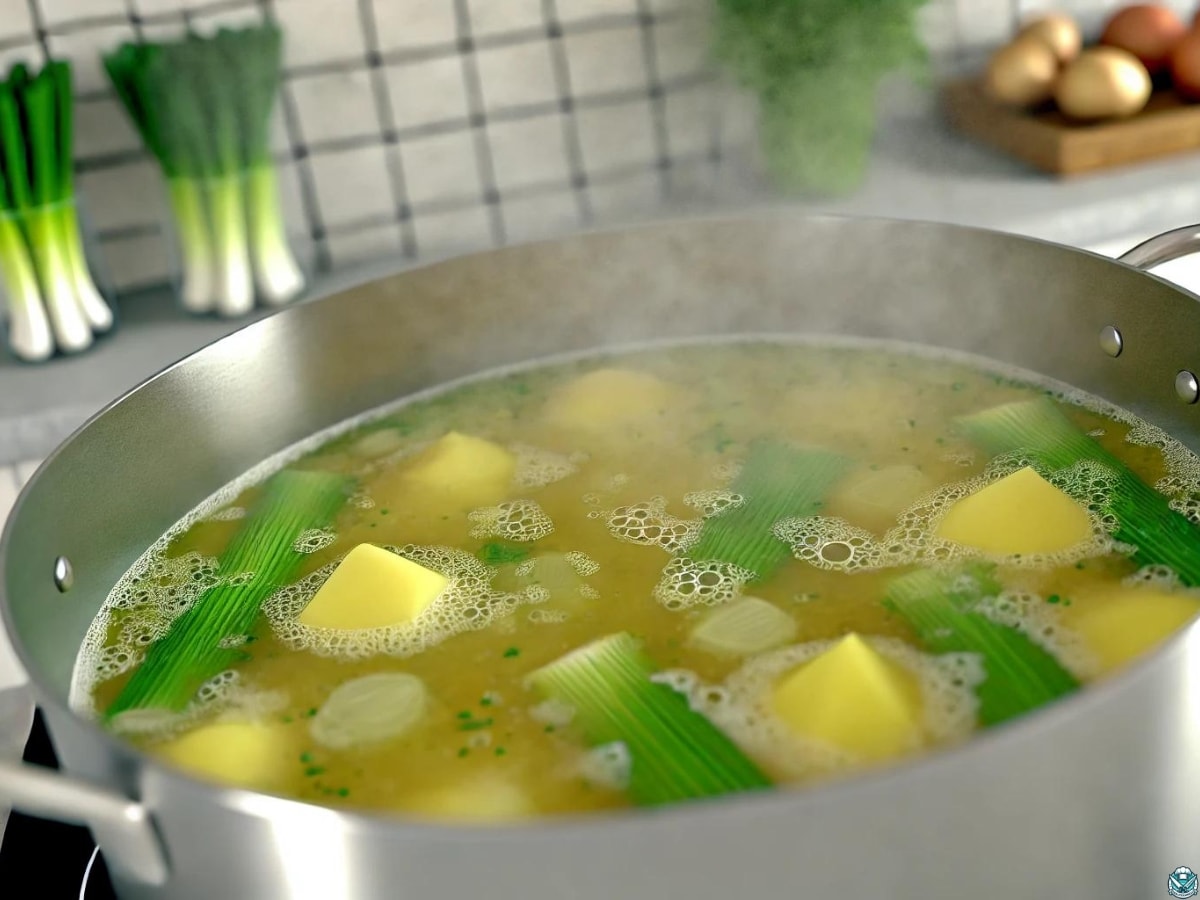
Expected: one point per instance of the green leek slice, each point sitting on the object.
(261, 558)
(777, 482)
(1144, 518)
(942, 607)
(675, 752)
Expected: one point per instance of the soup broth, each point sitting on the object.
(745, 514)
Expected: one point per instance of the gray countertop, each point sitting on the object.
(921, 170)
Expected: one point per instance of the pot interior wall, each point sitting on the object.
(132, 472)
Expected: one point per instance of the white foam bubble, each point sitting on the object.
(649, 524)
(712, 503)
(583, 564)
(537, 467)
(609, 766)
(688, 582)
(513, 520)
(314, 539)
(741, 706)
(553, 712)
(468, 603)
(548, 616)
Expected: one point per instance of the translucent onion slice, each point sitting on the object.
(744, 627)
(370, 710)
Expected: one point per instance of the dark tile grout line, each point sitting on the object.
(435, 129)
(382, 95)
(301, 154)
(441, 207)
(572, 142)
(477, 111)
(135, 19)
(656, 96)
(401, 55)
(309, 198)
(39, 28)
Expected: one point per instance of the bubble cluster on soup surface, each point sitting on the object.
(643, 578)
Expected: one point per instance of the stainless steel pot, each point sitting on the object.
(1097, 797)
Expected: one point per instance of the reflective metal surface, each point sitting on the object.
(1094, 797)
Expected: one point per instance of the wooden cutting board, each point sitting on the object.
(1048, 140)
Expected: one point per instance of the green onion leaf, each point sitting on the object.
(676, 753)
(1144, 518)
(942, 607)
(260, 559)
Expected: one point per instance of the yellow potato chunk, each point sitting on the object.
(457, 468)
(245, 754)
(1020, 513)
(371, 588)
(481, 802)
(1119, 625)
(874, 499)
(853, 698)
(608, 398)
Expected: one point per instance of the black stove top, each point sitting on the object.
(77, 871)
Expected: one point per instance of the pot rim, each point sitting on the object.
(1030, 726)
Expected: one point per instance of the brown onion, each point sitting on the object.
(1148, 31)
(1185, 66)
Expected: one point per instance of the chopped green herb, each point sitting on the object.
(306, 757)
(465, 714)
(485, 700)
(475, 725)
(463, 751)
(310, 712)
(343, 792)
(549, 729)
(500, 552)
(312, 771)
(500, 751)
(512, 652)
(1053, 598)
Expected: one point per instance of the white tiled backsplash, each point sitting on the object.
(424, 127)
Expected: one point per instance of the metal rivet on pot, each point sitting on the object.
(1111, 341)
(64, 575)
(1187, 387)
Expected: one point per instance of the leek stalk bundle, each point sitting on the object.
(202, 106)
(52, 299)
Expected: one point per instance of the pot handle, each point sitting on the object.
(1163, 248)
(122, 828)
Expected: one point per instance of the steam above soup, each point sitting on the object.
(650, 578)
